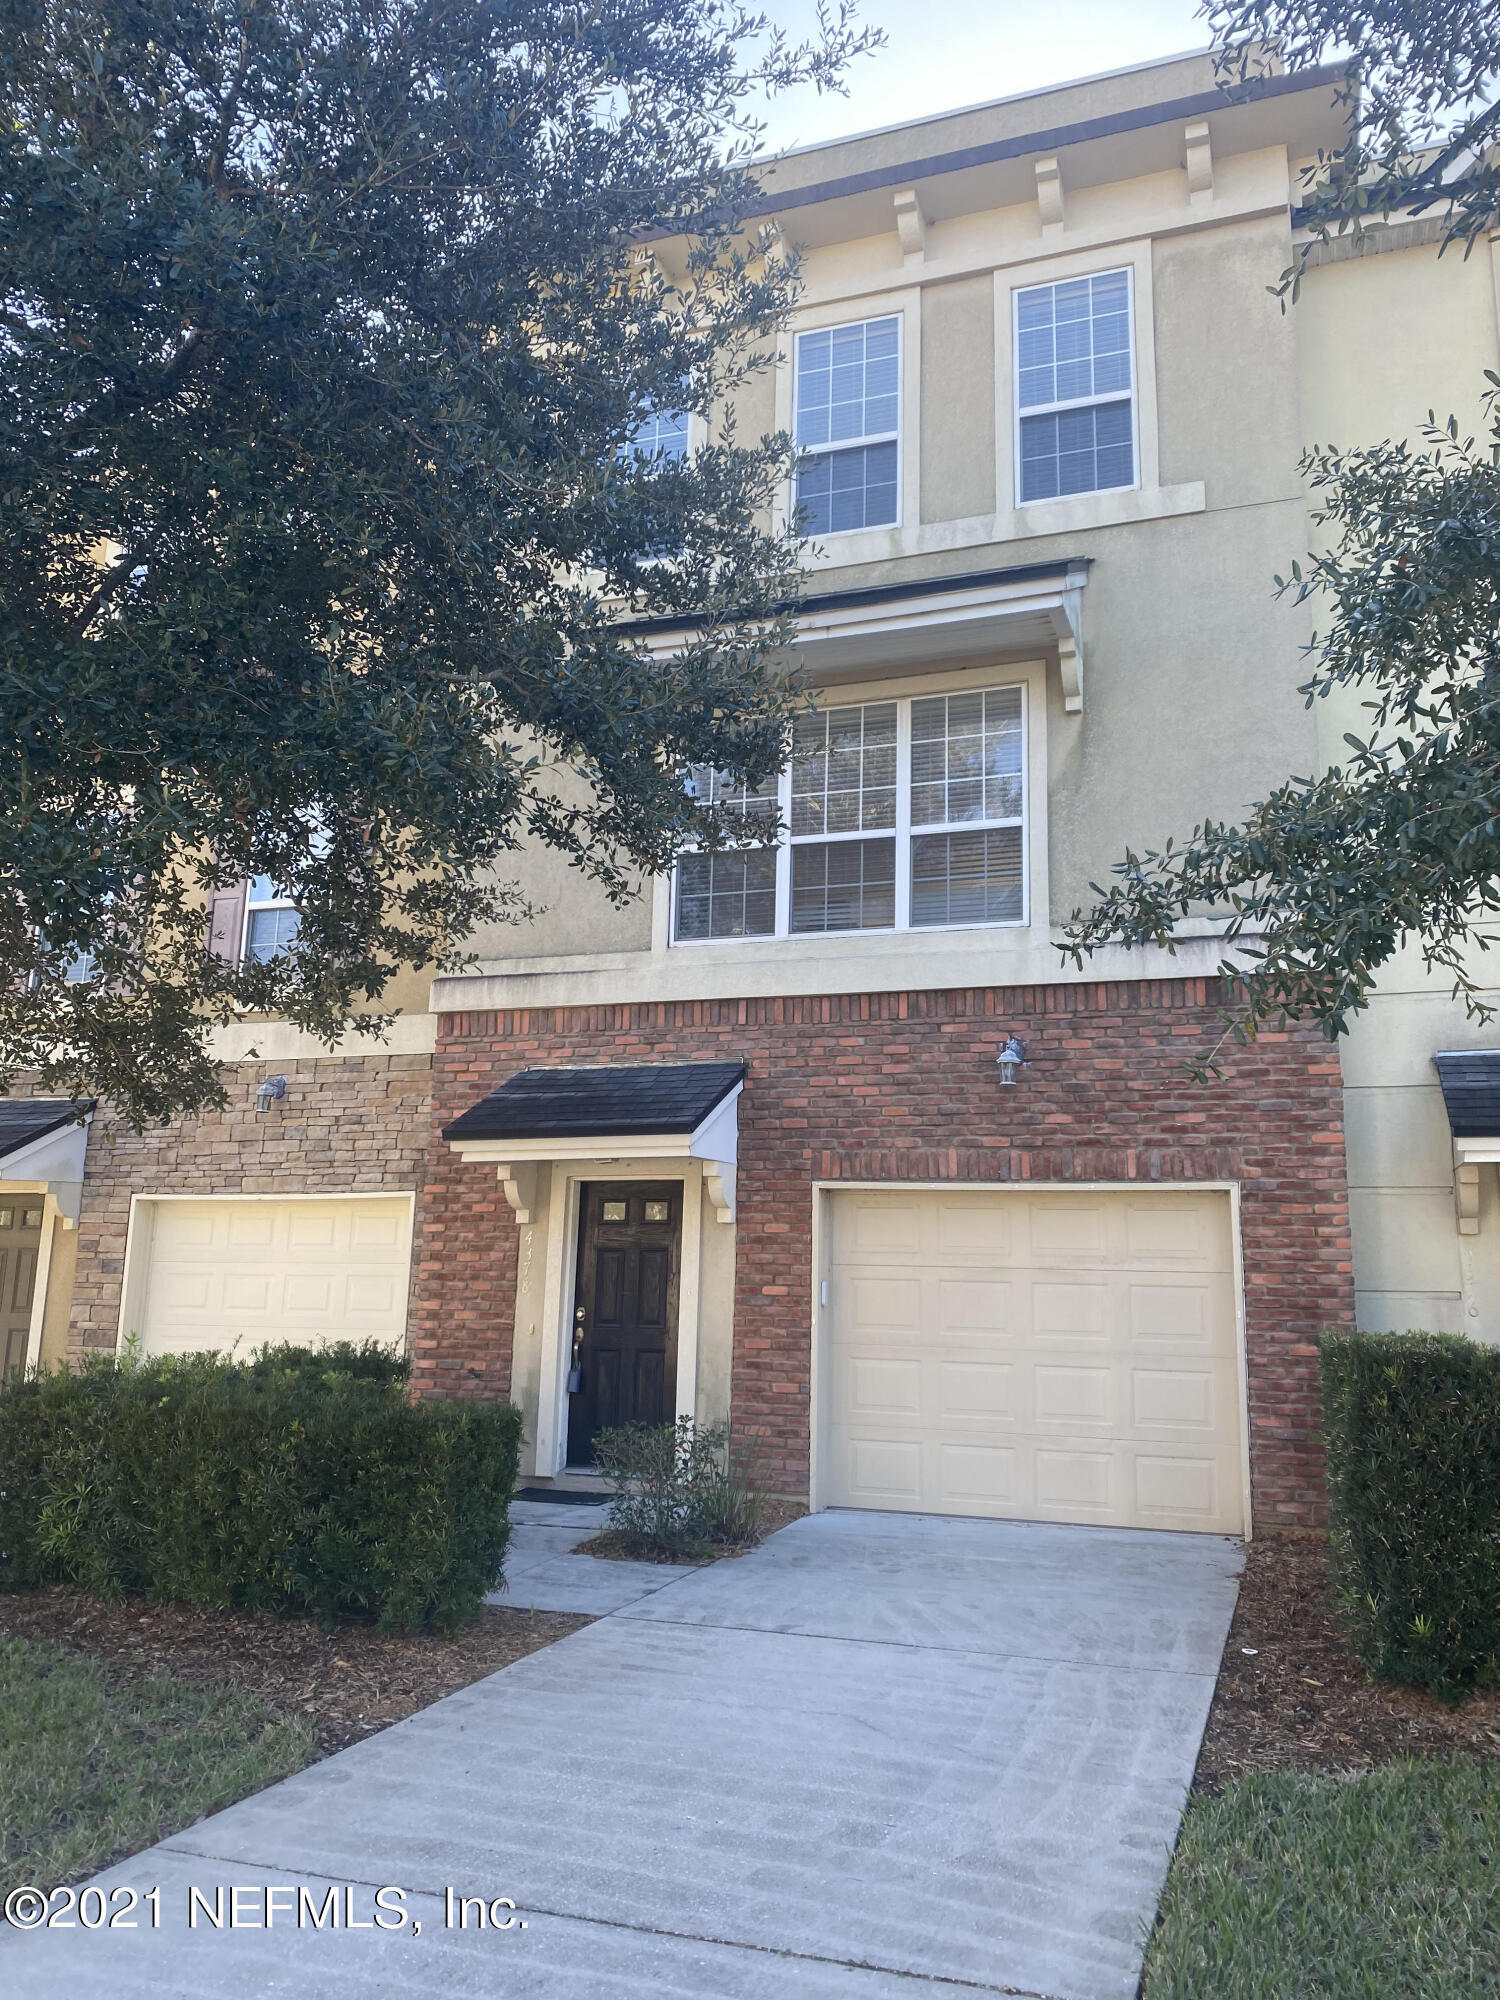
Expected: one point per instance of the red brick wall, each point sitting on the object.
(903, 1086)
(347, 1124)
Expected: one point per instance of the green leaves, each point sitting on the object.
(1330, 875)
(319, 337)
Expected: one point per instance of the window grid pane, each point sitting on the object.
(727, 895)
(967, 773)
(1076, 451)
(1073, 341)
(966, 753)
(716, 788)
(270, 933)
(967, 878)
(663, 434)
(840, 490)
(844, 885)
(848, 383)
(844, 770)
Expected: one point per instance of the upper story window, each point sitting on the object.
(896, 815)
(1075, 387)
(271, 921)
(848, 426)
(663, 434)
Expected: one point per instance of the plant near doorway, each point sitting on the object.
(682, 1492)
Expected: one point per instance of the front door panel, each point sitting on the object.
(628, 1249)
(20, 1247)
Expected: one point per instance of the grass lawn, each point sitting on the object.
(94, 1768)
(1370, 1888)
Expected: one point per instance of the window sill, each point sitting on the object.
(1083, 513)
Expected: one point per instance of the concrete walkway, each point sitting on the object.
(543, 1574)
(881, 1757)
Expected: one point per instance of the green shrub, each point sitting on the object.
(278, 1485)
(1412, 1430)
(679, 1490)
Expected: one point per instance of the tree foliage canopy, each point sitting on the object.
(325, 327)
(1399, 843)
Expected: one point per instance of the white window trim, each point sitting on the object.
(1110, 501)
(845, 545)
(1131, 485)
(902, 833)
(836, 445)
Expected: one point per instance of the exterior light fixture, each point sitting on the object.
(267, 1093)
(1011, 1058)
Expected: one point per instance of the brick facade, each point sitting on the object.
(903, 1086)
(347, 1124)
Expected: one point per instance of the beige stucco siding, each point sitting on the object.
(1383, 338)
(958, 399)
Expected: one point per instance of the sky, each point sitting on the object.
(941, 54)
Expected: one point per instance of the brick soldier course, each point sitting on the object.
(904, 1087)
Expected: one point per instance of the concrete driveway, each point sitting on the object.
(883, 1756)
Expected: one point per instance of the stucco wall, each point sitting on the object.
(958, 404)
(1382, 339)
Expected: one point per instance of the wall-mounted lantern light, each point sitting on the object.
(1012, 1057)
(267, 1093)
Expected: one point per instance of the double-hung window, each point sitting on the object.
(1075, 387)
(848, 426)
(271, 921)
(895, 816)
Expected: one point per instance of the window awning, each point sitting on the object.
(622, 1111)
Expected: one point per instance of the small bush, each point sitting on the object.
(1412, 1431)
(678, 1490)
(283, 1484)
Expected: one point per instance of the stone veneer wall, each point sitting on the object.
(903, 1086)
(347, 1124)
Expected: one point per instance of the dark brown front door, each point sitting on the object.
(20, 1246)
(626, 1321)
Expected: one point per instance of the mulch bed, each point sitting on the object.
(349, 1682)
(774, 1514)
(1299, 1700)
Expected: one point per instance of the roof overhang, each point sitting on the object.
(1033, 610)
(49, 1150)
(618, 1113)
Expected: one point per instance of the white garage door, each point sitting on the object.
(1047, 1357)
(235, 1273)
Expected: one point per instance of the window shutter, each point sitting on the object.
(226, 921)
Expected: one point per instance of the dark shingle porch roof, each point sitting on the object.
(1471, 1091)
(599, 1103)
(25, 1119)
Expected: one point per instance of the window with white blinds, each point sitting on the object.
(271, 921)
(893, 815)
(848, 426)
(663, 435)
(1075, 387)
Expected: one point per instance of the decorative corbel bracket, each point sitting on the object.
(718, 1179)
(1049, 196)
(1466, 1198)
(519, 1180)
(911, 225)
(1067, 627)
(1198, 157)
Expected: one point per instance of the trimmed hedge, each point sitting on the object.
(1411, 1428)
(289, 1483)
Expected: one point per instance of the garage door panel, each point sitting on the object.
(1106, 1393)
(232, 1274)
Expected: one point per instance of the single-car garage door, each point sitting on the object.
(236, 1272)
(1051, 1356)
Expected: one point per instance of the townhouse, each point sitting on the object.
(824, 1138)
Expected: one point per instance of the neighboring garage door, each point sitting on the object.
(1050, 1356)
(236, 1273)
